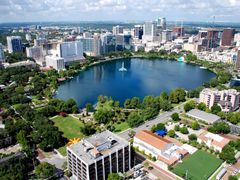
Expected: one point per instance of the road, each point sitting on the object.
(162, 118)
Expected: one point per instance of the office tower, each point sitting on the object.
(237, 66)
(87, 35)
(2, 57)
(166, 35)
(138, 31)
(95, 157)
(227, 37)
(55, 62)
(14, 44)
(28, 37)
(123, 42)
(149, 28)
(87, 44)
(79, 30)
(70, 51)
(178, 31)
(117, 30)
(162, 23)
(108, 41)
(212, 38)
(35, 52)
(96, 45)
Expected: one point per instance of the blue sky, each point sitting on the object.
(118, 10)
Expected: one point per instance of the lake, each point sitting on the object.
(143, 77)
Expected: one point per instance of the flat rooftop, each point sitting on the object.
(97, 146)
(204, 116)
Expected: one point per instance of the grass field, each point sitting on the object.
(121, 127)
(69, 126)
(199, 166)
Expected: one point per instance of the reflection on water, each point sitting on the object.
(143, 77)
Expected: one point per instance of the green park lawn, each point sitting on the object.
(199, 166)
(121, 127)
(69, 126)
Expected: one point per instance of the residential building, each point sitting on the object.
(96, 45)
(214, 141)
(70, 51)
(227, 37)
(95, 157)
(2, 57)
(55, 62)
(237, 39)
(108, 43)
(228, 100)
(203, 116)
(164, 149)
(123, 42)
(149, 30)
(117, 30)
(14, 44)
(91, 46)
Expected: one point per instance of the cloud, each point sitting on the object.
(57, 10)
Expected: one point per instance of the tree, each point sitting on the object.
(22, 140)
(88, 129)
(215, 109)
(189, 106)
(192, 137)
(177, 128)
(103, 115)
(194, 125)
(89, 107)
(45, 170)
(219, 127)
(127, 104)
(135, 103)
(159, 126)
(171, 133)
(134, 119)
(202, 106)
(164, 95)
(184, 130)
(175, 117)
(114, 176)
(228, 154)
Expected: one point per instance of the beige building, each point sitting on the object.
(228, 100)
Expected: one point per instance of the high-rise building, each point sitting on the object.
(87, 44)
(227, 37)
(237, 66)
(166, 35)
(2, 57)
(70, 51)
(36, 53)
(117, 30)
(14, 44)
(108, 41)
(149, 31)
(138, 31)
(95, 157)
(96, 45)
(178, 31)
(212, 38)
(162, 23)
(55, 62)
(123, 42)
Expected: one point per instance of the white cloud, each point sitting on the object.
(47, 10)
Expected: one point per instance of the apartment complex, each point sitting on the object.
(214, 141)
(228, 100)
(14, 44)
(97, 156)
(163, 149)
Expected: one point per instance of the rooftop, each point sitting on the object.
(201, 115)
(97, 146)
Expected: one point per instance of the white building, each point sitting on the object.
(228, 100)
(14, 44)
(214, 141)
(70, 51)
(55, 62)
(167, 35)
(149, 30)
(28, 37)
(2, 57)
(36, 53)
(117, 30)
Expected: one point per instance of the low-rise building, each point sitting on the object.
(163, 149)
(214, 141)
(203, 116)
(97, 156)
(228, 100)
